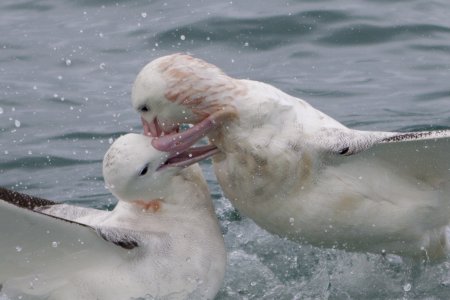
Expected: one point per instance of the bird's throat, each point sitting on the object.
(149, 205)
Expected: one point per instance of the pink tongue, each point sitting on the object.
(179, 142)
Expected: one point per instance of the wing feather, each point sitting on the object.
(32, 242)
(424, 155)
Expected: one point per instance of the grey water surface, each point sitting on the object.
(66, 69)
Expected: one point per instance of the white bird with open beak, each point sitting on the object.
(162, 240)
(297, 172)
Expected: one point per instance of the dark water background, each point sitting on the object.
(66, 69)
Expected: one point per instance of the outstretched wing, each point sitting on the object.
(56, 209)
(424, 155)
(33, 243)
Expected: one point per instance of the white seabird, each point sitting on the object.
(297, 172)
(162, 240)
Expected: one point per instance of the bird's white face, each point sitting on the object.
(149, 100)
(135, 171)
(175, 90)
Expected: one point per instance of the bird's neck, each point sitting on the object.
(151, 206)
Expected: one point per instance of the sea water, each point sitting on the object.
(66, 70)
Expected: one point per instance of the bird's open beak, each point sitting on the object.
(189, 157)
(181, 141)
(151, 128)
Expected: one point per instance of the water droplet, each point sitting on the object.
(68, 62)
(252, 283)
(407, 287)
(101, 34)
(102, 66)
(188, 259)
(60, 77)
(18, 249)
(190, 155)
(1, 110)
(182, 37)
(17, 123)
(34, 87)
(54, 244)
(30, 152)
(110, 141)
(144, 15)
(291, 221)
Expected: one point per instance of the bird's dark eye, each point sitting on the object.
(143, 171)
(144, 108)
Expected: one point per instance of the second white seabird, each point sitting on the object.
(161, 240)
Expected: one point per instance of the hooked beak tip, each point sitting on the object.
(152, 128)
(146, 127)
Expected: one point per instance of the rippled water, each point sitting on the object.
(66, 68)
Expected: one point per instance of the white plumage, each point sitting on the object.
(161, 240)
(296, 171)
